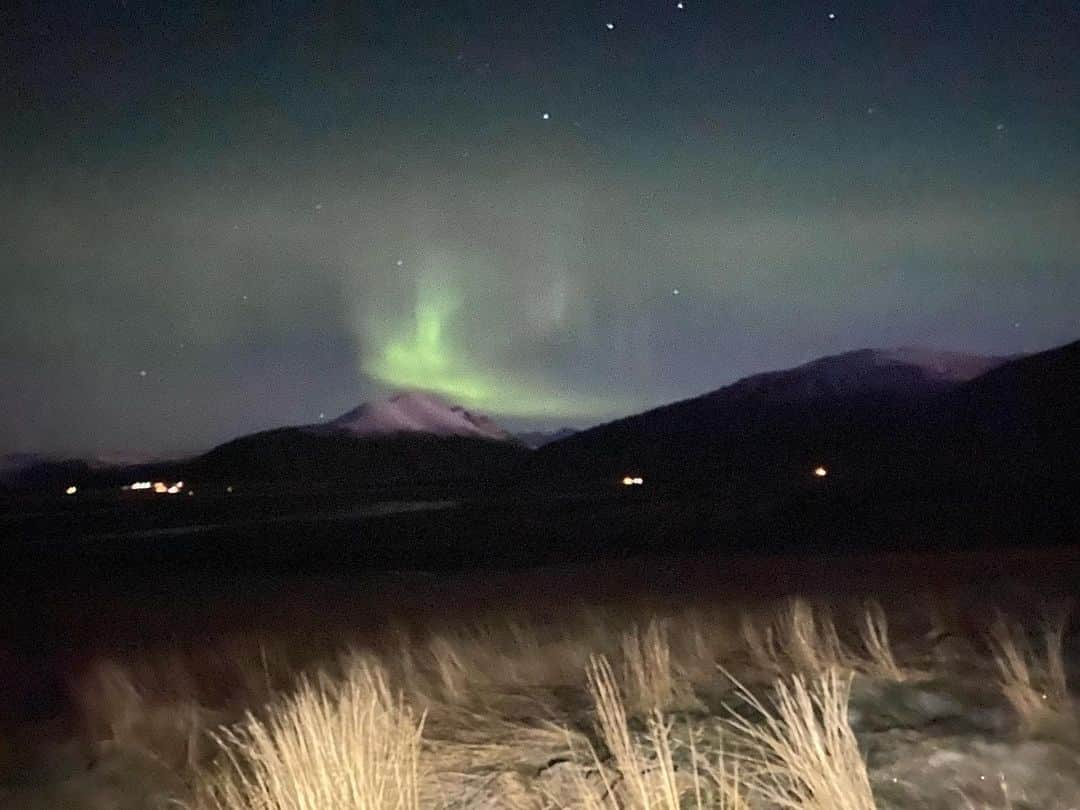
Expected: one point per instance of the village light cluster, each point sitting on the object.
(159, 487)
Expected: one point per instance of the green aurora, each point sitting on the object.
(424, 356)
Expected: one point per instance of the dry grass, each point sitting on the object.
(502, 702)
(1034, 684)
(803, 753)
(642, 784)
(170, 729)
(352, 745)
(874, 634)
(797, 637)
(459, 667)
(651, 681)
(641, 773)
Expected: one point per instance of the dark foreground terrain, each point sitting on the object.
(134, 630)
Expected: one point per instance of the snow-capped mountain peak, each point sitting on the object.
(416, 412)
(902, 371)
(944, 365)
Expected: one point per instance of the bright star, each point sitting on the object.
(675, 291)
(142, 372)
(545, 116)
(832, 16)
(680, 6)
(399, 262)
(609, 26)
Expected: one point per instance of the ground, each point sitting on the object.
(500, 665)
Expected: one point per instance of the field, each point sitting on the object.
(904, 680)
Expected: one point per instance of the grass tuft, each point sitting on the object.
(874, 633)
(352, 745)
(803, 754)
(1034, 684)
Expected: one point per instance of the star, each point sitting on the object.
(322, 415)
(545, 116)
(142, 372)
(318, 206)
(675, 291)
(244, 297)
(1000, 127)
(399, 262)
(680, 6)
(609, 26)
(832, 16)
(870, 110)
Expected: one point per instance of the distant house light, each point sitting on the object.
(820, 472)
(228, 488)
(631, 481)
(141, 485)
(71, 490)
(160, 488)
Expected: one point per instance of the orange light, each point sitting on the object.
(820, 472)
(71, 490)
(160, 488)
(628, 481)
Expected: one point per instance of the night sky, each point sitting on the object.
(218, 218)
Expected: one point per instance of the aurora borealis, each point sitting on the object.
(221, 217)
(426, 358)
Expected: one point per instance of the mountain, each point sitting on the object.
(771, 428)
(903, 373)
(1023, 418)
(538, 438)
(414, 412)
(409, 438)
(32, 471)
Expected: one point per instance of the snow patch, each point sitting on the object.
(953, 366)
(415, 412)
